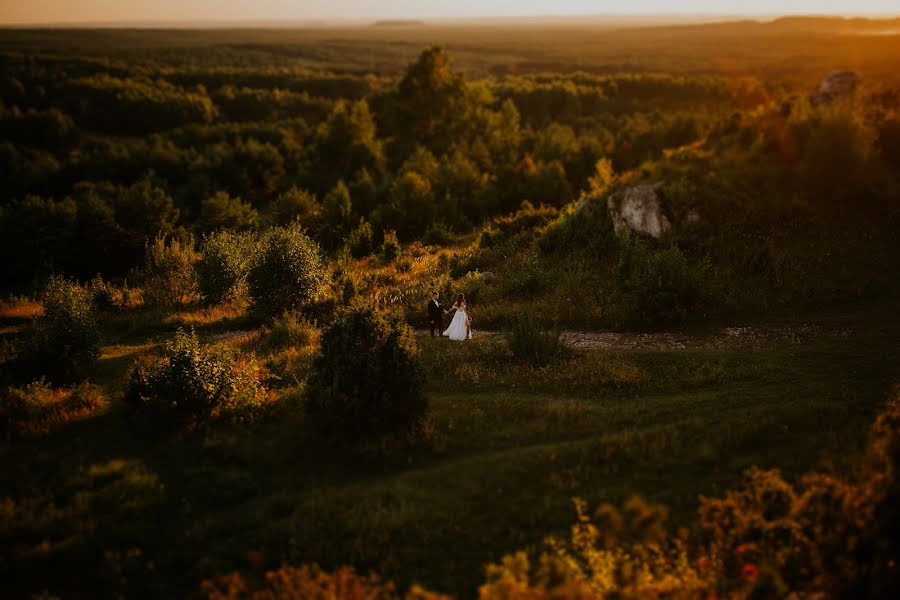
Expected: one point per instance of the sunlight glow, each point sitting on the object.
(62, 11)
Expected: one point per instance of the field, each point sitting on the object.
(153, 516)
(256, 219)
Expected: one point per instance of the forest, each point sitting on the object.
(217, 250)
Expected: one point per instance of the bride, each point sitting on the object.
(461, 325)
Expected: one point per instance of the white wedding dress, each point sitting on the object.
(457, 330)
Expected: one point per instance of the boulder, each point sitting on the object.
(639, 208)
(837, 84)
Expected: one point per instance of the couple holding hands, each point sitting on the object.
(461, 325)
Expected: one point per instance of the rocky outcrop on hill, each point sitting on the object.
(639, 208)
(837, 84)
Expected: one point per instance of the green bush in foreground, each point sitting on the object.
(192, 384)
(366, 378)
(288, 274)
(226, 258)
(530, 342)
(65, 338)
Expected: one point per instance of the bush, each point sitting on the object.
(348, 289)
(222, 211)
(366, 378)
(65, 338)
(190, 384)
(438, 234)
(297, 205)
(104, 296)
(226, 258)
(390, 248)
(359, 242)
(37, 409)
(404, 266)
(529, 342)
(288, 330)
(167, 278)
(288, 273)
(585, 226)
(658, 286)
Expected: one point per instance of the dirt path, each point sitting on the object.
(728, 338)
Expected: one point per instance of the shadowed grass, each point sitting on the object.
(504, 453)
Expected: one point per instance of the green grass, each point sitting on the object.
(101, 507)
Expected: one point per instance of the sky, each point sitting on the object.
(65, 11)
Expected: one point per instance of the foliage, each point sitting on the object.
(225, 261)
(167, 278)
(825, 534)
(349, 290)
(437, 234)
(311, 583)
(530, 342)
(390, 247)
(35, 410)
(64, 342)
(288, 273)
(366, 380)
(297, 205)
(360, 240)
(192, 384)
(766, 538)
(337, 212)
(222, 211)
(105, 296)
(288, 330)
(658, 286)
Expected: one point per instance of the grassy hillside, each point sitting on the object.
(217, 247)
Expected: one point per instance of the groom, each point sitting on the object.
(435, 314)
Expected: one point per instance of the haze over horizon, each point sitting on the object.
(22, 12)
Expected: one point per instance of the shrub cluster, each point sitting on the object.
(390, 248)
(287, 274)
(64, 341)
(366, 379)
(167, 278)
(226, 258)
(360, 240)
(105, 296)
(191, 384)
(658, 286)
(288, 330)
(530, 342)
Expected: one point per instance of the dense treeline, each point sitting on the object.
(80, 134)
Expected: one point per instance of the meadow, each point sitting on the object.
(217, 250)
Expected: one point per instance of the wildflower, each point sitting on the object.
(749, 572)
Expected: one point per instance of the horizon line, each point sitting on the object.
(354, 21)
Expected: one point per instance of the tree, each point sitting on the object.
(344, 144)
(222, 211)
(428, 101)
(337, 216)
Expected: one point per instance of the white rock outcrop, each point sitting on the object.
(639, 208)
(836, 84)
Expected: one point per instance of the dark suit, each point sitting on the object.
(435, 316)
